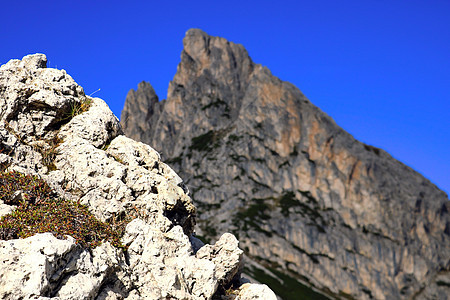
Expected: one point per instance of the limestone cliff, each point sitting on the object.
(310, 203)
(50, 129)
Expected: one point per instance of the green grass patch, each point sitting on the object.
(234, 138)
(77, 108)
(218, 103)
(203, 142)
(31, 188)
(253, 215)
(257, 210)
(288, 289)
(287, 200)
(209, 141)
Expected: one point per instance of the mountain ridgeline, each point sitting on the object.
(312, 206)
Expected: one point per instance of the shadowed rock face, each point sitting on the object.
(309, 200)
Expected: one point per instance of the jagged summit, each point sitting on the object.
(202, 51)
(314, 205)
(142, 106)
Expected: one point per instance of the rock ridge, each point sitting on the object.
(50, 129)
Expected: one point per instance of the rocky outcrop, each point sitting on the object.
(310, 203)
(49, 128)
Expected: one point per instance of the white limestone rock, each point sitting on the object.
(225, 254)
(163, 264)
(98, 125)
(34, 98)
(5, 209)
(84, 157)
(43, 265)
(254, 292)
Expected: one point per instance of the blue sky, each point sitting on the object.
(380, 68)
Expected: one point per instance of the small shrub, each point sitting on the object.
(39, 211)
(32, 188)
(287, 200)
(203, 142)
(209, 141)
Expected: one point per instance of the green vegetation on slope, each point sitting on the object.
(39, 210)
(288, 289)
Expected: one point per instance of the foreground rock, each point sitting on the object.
(309, 202)
(50, 128)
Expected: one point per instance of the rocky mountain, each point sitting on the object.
(91, 214)
(311, 205)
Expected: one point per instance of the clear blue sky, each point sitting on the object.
(380, 68)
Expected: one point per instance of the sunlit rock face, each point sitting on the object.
(308, 201)
(50, 129)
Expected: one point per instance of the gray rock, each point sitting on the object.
(307, 200)
(145, 103)
(50, 129)
(225, 254)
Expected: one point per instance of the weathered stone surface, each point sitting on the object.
(225, 254)
(306, 199)
(35, 99)
(254, 292)
(5, 209)
(164, 263)
(49, 128)
(43, 265)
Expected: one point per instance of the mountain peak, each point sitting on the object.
(262, 161)
(202, 51)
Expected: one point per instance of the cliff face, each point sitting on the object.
(308, 200)
(51, 130)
